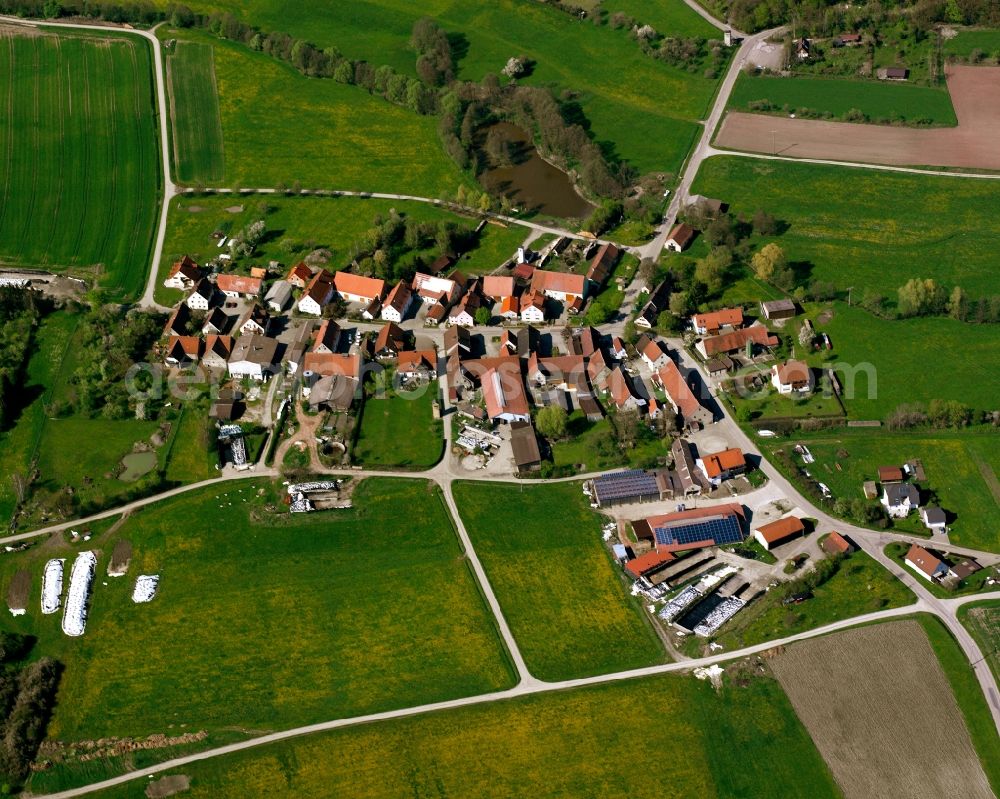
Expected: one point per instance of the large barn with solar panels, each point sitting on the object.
(694, 529)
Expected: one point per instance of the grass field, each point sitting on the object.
(877, 100)
(970, 39)
(953, 462)
(582, 447)
(876, 379)
(612, 78)
(79, 166)
(279, 126)
(331, 223)
(272, 620)
(860, 586)
(740, 741)
(567, 607)
(982, 619)
(669, 17)
(191, 459)
(876, 743)
(867, 229)
(399, 430)
(199, 154)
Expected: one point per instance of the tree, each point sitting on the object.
(919, 297)
(680, 304)
(551, 421)
(647, 270)
(767, 261)
(483, 316)
(711, 270)
(763, 223)
(958, 304)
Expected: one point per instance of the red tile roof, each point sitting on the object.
(219, 345)
(923, 560)
(187, 267)
(189, 346)
(390, 334)
(328, 364)
(399, 297)
(415, 360)
(320, 286)
(498, 285)
(682, 235)
(836, 543)
(890, 474)
(503, 389)
(736, 340)
(794, 373)
(300, 273)
(238, 284)
(359, 285)
(561, 282)
(718, 462)
(523, 271)
(673, 383)
(649, 561)
(716, 320)
(781, 529)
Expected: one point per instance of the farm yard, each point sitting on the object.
(877, 101)
(611, 78)
(399, 430)
(955, 465)
(875, 741)
(198, 151)
(866, 229)
(343, 137)
(79, 167)
(273, 620)
(569, 743)
(298, 225)
(566, 605)
(975, 95)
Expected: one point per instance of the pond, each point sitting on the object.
(531, 182)
(137, 464)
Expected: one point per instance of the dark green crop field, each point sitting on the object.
(79, 165)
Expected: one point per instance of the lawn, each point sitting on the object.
(982, 619)
(272, 620)
(279, 126)
(870, 230)
(79, 166)
(198, 152)
(954, 464)
(192, 457)
(612, 79)
(769, 404)
(332, 223)
(860, 586)
(877, 100)
(562, 596)
(591, 446)
(669, 17)
(971, 39)
(682, 738)
(400, 430)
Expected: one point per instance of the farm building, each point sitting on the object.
(836, 544)
(177, 323)
(527, 457)
(680, 237)
(736, 341)
(779, 532)
(890, 474)
(778, 309)
(631, 485)
(317, 294)
(562, 286)
(693, 529)
(358, 288)
(680, 395)
(279, 296)
(238, 285)
(709, 324)
(649, 563)
(870, 488)
(602, 264)
(182, 350)
(504, 392)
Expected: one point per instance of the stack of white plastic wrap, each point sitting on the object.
(52, 585)
(80, 579)
(145, 587)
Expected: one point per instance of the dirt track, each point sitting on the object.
(975, 93)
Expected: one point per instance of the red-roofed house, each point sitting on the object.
(391, 341)
(523, 272)
(504, 392)
(927, 565)
(623, 392)
(649, 562)
(417, 363)
(510, 309)
(218, 348)
(326, 337)
(792, 376)
(317, 294)
(563, 286)
(602, 264)
(183, 275)
(654, 354)
(709, 324)
(719, 466)
(680, 237)
(685, 403)
(358, 288)
(398, 302)
(238, 285)
(300, 275)
(736, 341)
(183, 349)
(532, 307)
(498, 286)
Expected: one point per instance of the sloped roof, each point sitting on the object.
(498, 285)
(714, 320)
(671, 380)
(359, 285)
(562, 282)
(239, 284)
(781, 529)
(737, 339)
(718, 462)
(503, 389)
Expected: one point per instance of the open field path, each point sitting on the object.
(522, 689)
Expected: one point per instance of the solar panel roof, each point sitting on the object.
(720, 529)
(622, 485)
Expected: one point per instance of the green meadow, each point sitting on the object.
(669, 735)
(566, 604)
(198, 149)
(609, 75)
(868, 229)
(265, 620)
(669, 17)
(280, 127)
(877, 100)
(399, 430)
(79, 164)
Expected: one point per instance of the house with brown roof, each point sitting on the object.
(358, 288)
(623, 392)
(238, 285)
(792, 377)
(256, 357)
(504, 392)
(253, 320)
(691, 479)
(711, 323)
(327, 336)
(562, 286)
(437, 314)
(183, 274)
(391, 341)
(417, 363)
(331, 381)
(565, 372)
(836, 544)
(779, 532)
(457, 340)
(216, 321)
(317, 294)
(524, 444)
(300, 275)
(925, 563)
(719, 466)
(680, 237)
(598, 369)
(218, 349)
(653, 353)
(183, 350)
(398, 302)
(602, 264)
(202, 297)
(464, 314)
(890, 474)
(686, 405)
(736, 341)
(777, 309)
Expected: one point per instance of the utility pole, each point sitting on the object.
(849, 296)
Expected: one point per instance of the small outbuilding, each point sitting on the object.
(779, 532)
